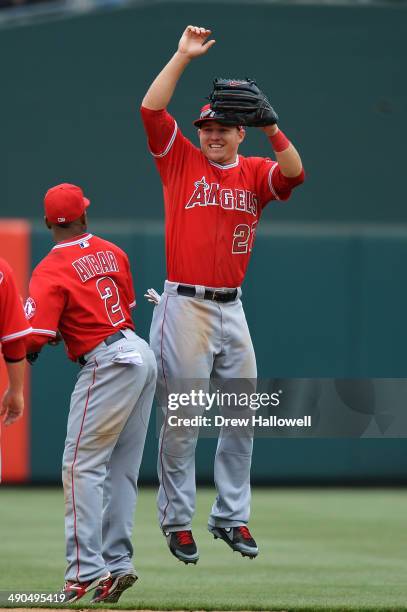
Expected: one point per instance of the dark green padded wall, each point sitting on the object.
(71, 90)
(320, 301)
(318, 304)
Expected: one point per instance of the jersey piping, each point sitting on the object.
(270, 181)
(67, 244)
(19, 334)
(44, 332)
(233, 165)
(169, 145)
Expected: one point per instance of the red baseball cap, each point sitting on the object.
(207, 114)
(64, 203)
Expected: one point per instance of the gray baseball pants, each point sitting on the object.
(194, 338)
(107, 425)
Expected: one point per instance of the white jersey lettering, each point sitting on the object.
(103, 261)
(213, 195)
(241, 203)
(227, 199)
(198, 198)
(205, 194)
(91, 265)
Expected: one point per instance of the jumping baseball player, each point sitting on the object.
(13, 332)
(213, 201)
(84, 289)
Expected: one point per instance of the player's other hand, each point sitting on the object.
(194, 43)
(12, 406)
(152, 296)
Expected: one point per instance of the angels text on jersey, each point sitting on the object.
(210, 194)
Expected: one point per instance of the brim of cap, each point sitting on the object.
(199, 122)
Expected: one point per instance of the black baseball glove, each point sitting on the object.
(241, 102)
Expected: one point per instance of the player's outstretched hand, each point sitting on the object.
(12, 406)
(152, 296)
(194, 43)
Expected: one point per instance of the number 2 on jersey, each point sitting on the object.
(109, 293)
(243, 238)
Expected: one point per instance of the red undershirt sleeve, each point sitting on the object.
(14, 350)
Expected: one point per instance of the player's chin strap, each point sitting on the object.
(152, 296)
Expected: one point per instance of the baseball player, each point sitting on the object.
(213, 201)
(13, 332)
(84, 289)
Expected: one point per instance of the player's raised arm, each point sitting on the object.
(193, 43)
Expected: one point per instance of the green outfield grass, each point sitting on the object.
(319, 550)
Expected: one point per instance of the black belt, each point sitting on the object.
(217, 295)
(108, 341)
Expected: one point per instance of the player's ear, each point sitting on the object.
(47, 223)
(242, 134)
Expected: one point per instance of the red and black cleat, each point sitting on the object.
(110, 589)
(238, 538)
(182, 545)
(74, 590)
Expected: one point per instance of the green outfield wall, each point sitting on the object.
(71, 89)
(325, 294)
(321, 301)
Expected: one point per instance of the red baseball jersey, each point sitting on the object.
(13, 324)
(211, 211)
(84, 289)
